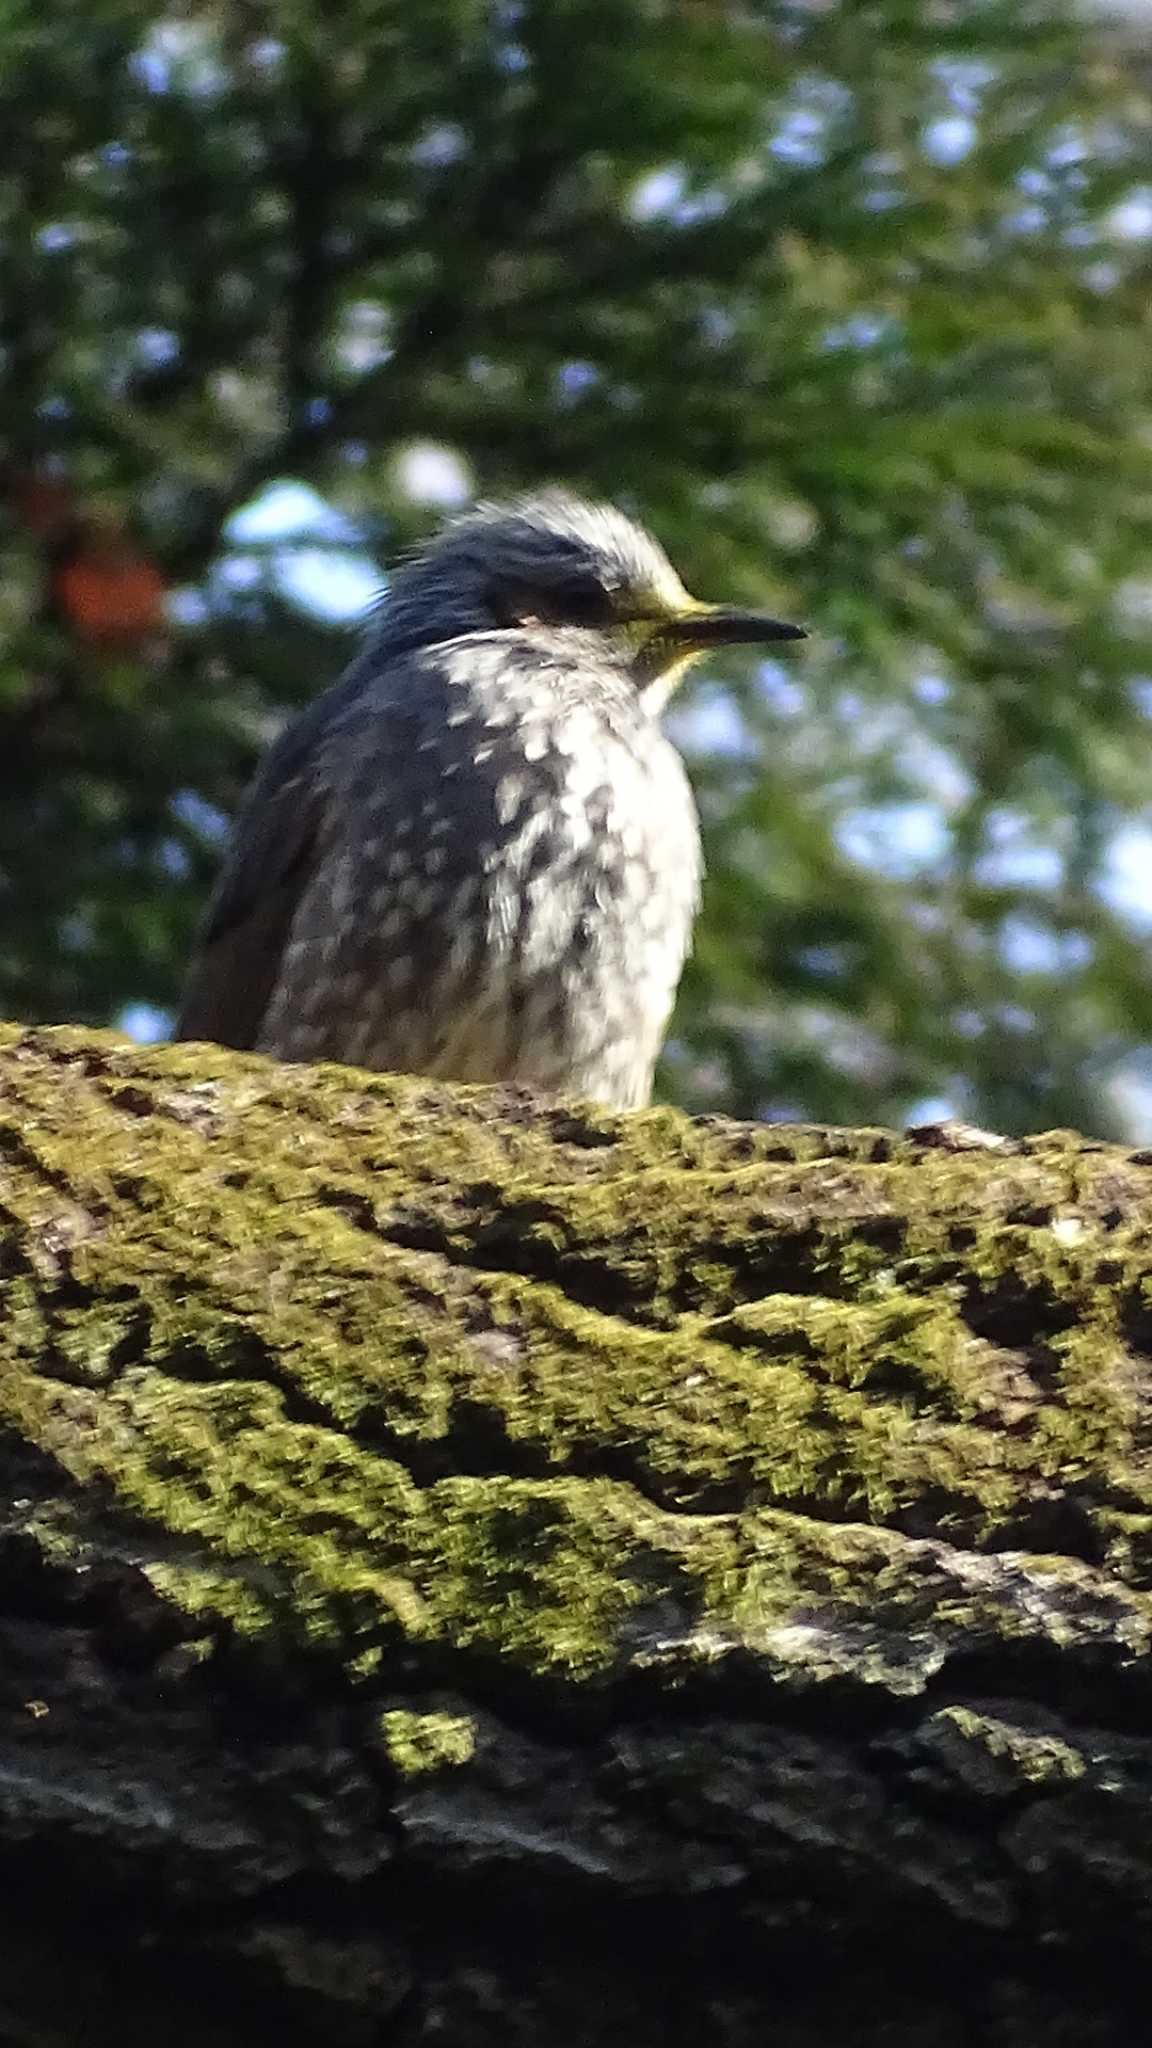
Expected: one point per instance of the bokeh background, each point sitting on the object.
(849, 299)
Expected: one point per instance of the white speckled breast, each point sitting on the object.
(520, 905)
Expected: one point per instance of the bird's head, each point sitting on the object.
(550, 560)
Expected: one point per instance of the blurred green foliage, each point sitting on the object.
(850, 301)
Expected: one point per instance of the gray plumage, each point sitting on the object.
(477, 856)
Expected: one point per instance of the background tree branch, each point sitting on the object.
(852, 311)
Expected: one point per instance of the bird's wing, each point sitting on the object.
(243, 939)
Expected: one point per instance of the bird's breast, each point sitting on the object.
(587, 888)
(505, 888)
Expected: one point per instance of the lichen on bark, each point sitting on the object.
(675, 1508)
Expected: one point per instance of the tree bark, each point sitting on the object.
(476, 1571)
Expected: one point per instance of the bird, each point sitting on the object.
(476, 857)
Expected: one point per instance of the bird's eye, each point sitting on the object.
(582, 604)
(574, 603)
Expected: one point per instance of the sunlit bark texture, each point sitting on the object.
(480, 1572)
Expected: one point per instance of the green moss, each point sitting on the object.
(999, 1757)
(419, 1743)
(373, 1363)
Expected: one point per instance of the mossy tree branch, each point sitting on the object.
(451, 1545)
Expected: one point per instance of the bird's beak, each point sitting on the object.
(688, 631)
(716, 625)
